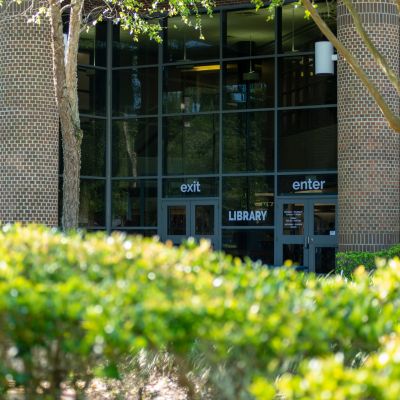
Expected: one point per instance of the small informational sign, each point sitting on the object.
(293, 219)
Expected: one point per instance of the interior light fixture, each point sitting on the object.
(200, 68)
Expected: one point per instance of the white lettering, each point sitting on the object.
(308, 185)
(264, 215)
(296, 185)
(322, 184)
(316, 185)
(239, 215)
(183, 188)
(191, 187)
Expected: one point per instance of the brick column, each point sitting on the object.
(28, 122)
(368, 150)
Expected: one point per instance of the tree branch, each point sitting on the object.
(393, 120)
(380, 60)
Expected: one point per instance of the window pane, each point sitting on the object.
(135, 91)
(134, 203)
(248, 200)
(184, 43)
(190, 187)
(93, 147)
(248, 142)
(134, 147)
(249, 84)
(191, 88)
(300, 34)
(325, 260)
(93, 46)
(92, 91)
(300, 86)
(176, 220)
(191, 145)
(204, 220)
(258, 244)
(324, 219)
(293, 219)
(140, 232)
(308, 139)
(245, 42)
(92, 204)
(127, 52)
(294, 253)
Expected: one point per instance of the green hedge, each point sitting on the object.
(347, 262)
(72, 308)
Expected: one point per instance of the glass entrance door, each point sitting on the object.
(190, 218)
(306, 233)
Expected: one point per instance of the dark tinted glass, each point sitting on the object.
(258, 244)
(293, 219)
(134, 203)
(248, 142)
(248, 200)
(325, 260)
(324, 219)
(300, 86)
(249, 34)
(293, 253)
(93, 147)
(308, 139)
(135, 91)
(204, 219)
(184, 43)
(134, 149)
(93, 46)
(92, 91)
(191, 145)
(176, 222)
(191, 88)
(190, 187)
(92, 203)
(299, 33)
(127, 52)
(249, 84)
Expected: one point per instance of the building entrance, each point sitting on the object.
(190, 218)
(306, 233)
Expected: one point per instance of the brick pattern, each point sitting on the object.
(368, 150)
(28, 122)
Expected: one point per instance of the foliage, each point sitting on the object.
(347, 262)
(74, 307)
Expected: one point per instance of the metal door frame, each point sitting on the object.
(308, 239)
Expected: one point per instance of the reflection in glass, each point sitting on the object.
(324, 219)
(93, 46)
(191, 145)
(299, 33)
(176, 223)
(245, 42)
(293, 253)
(127, 52)
(93, 147)
(191, 88)
(300, 86)
(91, 203)
(135, 91)
(208, 187)
(248, 142)
(184, 43)
(134, 203)
(249, 84)
(308, 139)
(92, 91)
(253, 195)
(134, 151)
(293, 219)
(325, 260)
(204, 220)
(140, 232)
(257, 244)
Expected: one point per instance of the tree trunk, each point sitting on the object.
(65, 80)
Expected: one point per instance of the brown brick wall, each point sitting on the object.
(28, 123)
(368, 150)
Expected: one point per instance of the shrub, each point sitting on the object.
(74, 308)
(347, 262)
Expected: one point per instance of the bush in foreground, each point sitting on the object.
(72, 308)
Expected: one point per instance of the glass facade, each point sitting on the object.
(236, 117)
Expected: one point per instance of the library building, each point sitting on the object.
(255, 137)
